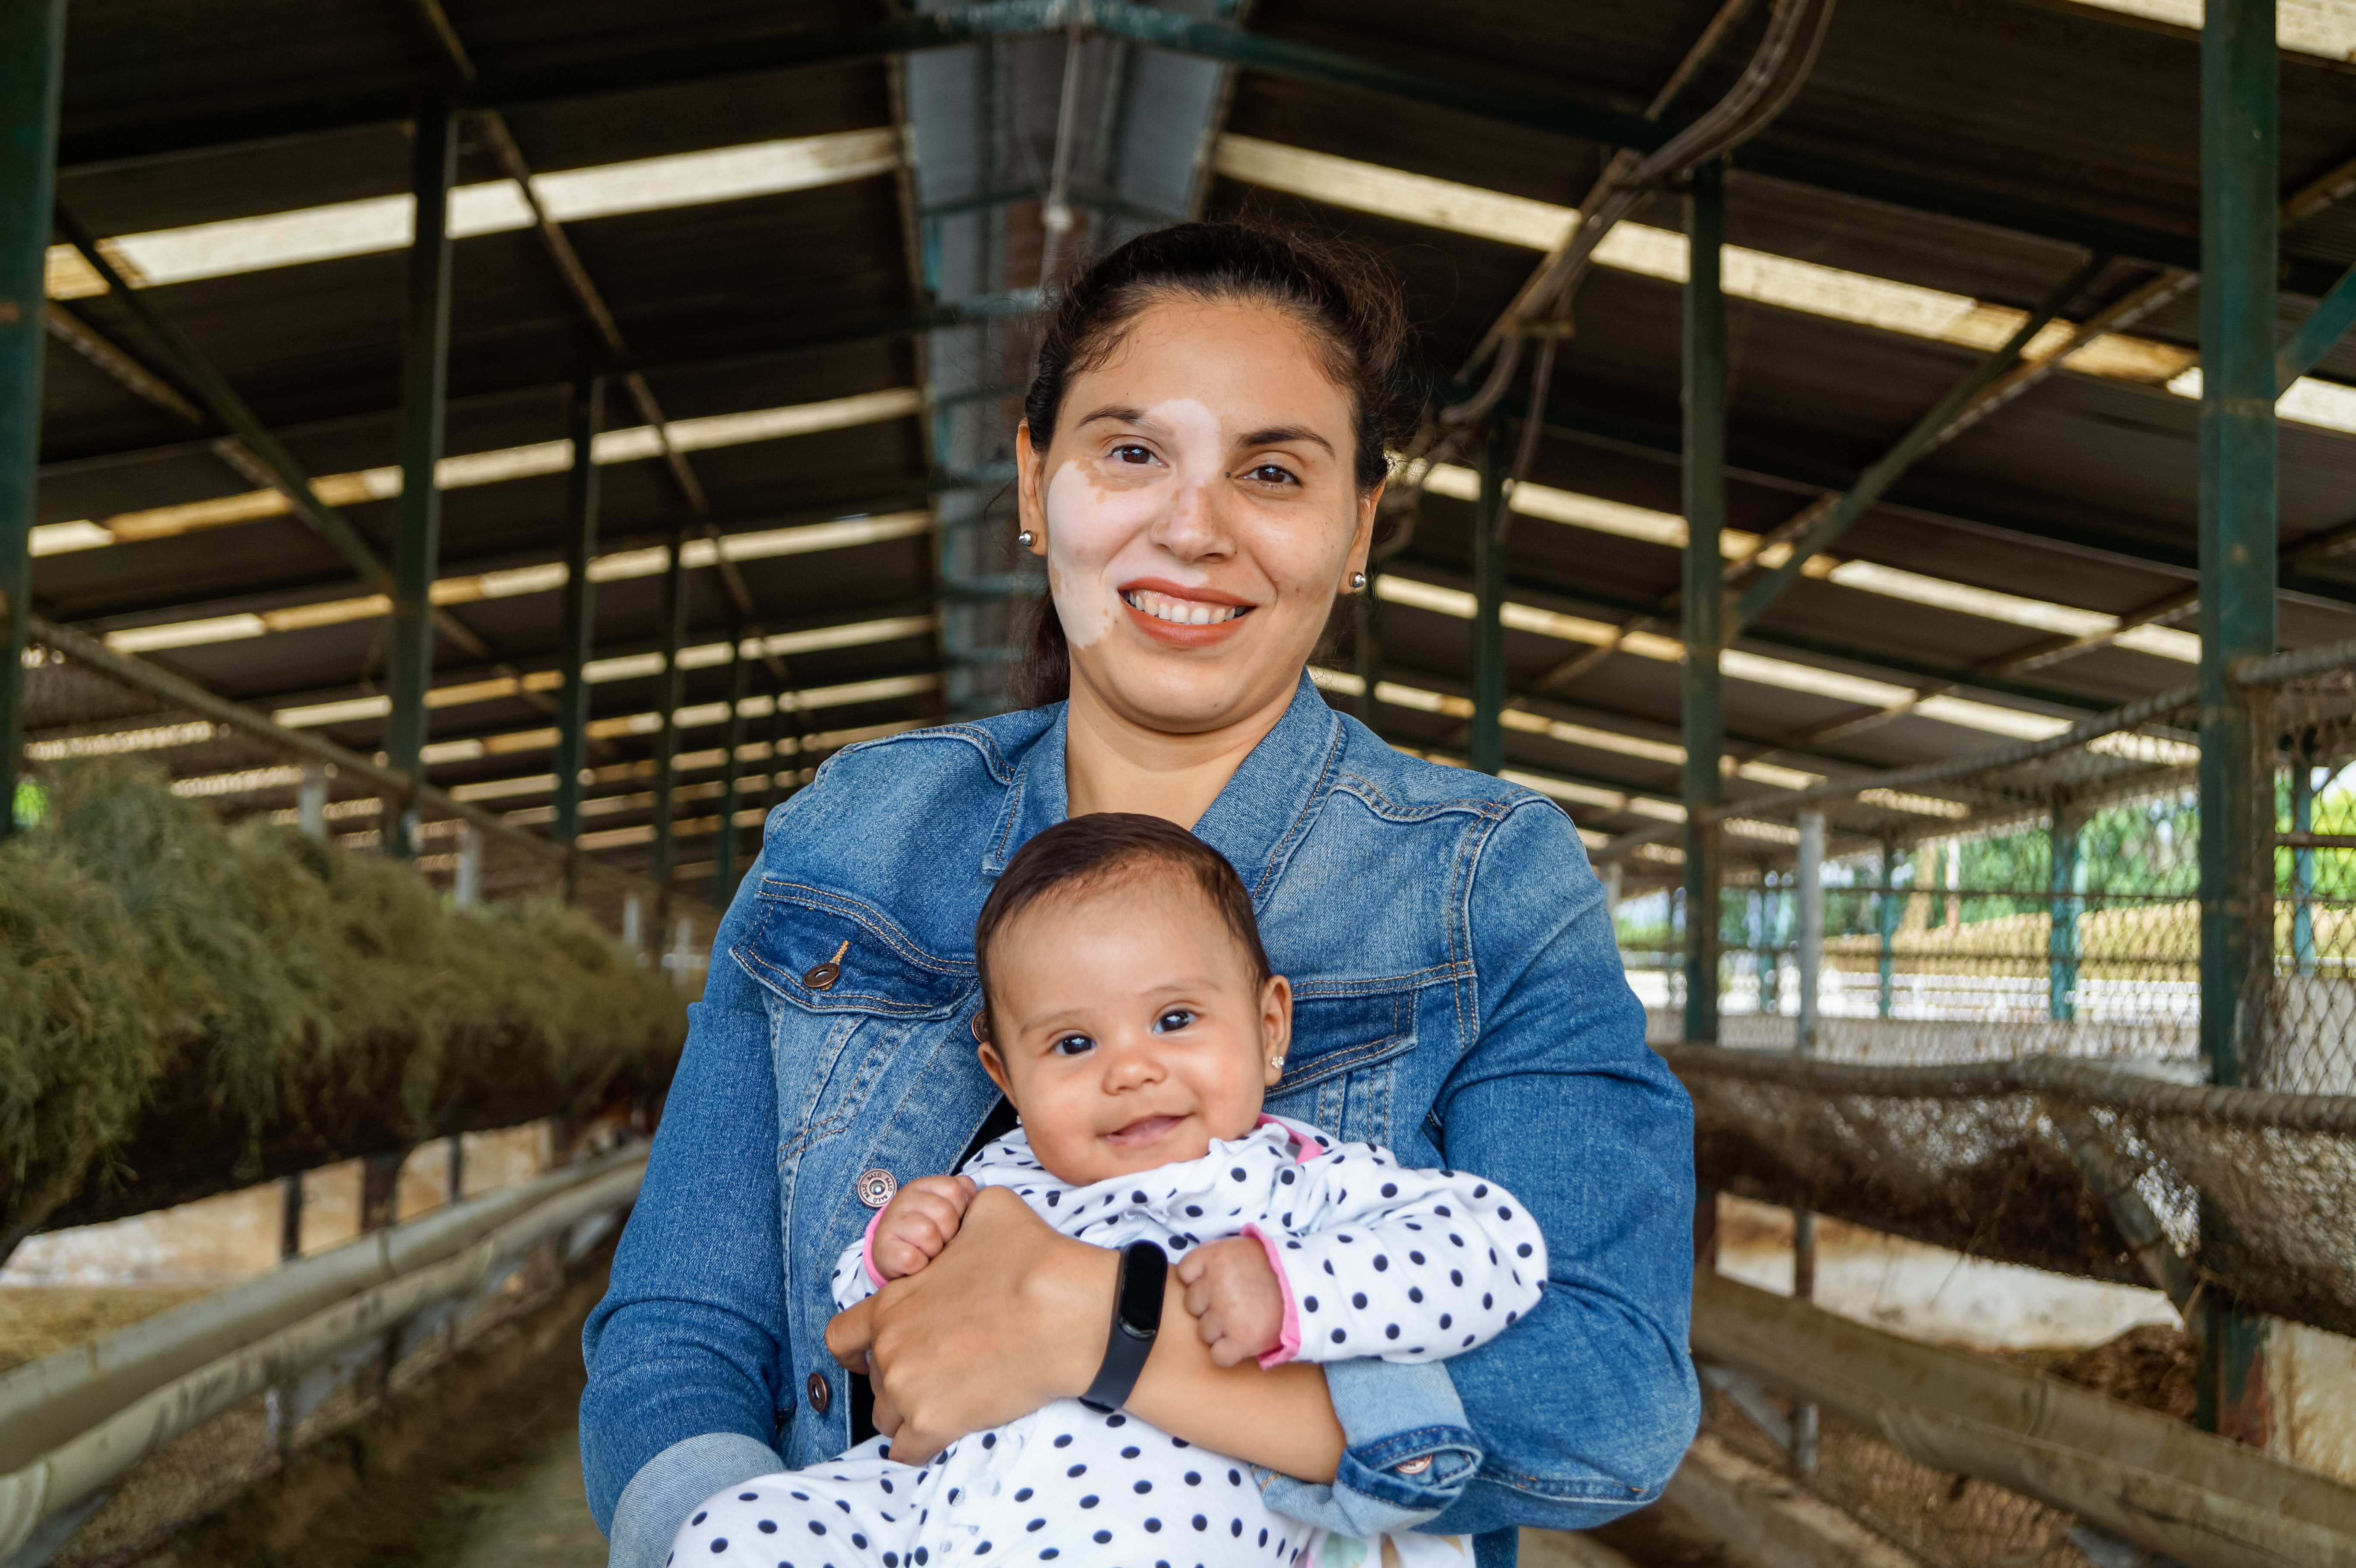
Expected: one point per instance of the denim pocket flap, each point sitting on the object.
(832, 953)
(1340, 1034)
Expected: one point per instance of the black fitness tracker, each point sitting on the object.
(1136, 1318)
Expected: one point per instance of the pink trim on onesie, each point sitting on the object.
(1288, 1342)
(1303, 1151)
(867, 1251)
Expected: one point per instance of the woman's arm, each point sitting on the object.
(1585, 1407)
(1012, 1314)
(687, 1375)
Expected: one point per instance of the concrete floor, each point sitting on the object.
(539, 1517)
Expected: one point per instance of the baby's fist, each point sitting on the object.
(1232, 1290)
(918, 1222)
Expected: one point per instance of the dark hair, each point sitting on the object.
(1083, 852)
(1347, 301)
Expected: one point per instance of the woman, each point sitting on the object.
(1200, 462)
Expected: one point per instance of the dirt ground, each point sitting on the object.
(480, 1467)
(36, 1320)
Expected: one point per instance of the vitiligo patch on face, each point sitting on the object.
(1109, 523)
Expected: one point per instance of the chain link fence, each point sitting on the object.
(2005, 1052)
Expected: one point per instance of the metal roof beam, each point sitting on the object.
(2333, 314)
(88, 143)
(1822, 522)
(752, 343)
(1778, 466)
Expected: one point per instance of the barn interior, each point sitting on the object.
(1882, 469)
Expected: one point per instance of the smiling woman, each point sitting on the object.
(1200, 462)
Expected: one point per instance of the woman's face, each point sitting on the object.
(1198, 513)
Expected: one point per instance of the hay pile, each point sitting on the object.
(186, 1008)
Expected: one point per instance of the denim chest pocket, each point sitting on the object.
(825, 952)
(847, 990)
(1333, 1034)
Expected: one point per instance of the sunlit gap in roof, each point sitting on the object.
(1733, 662)
(385, 222)
(1756, 275)
(633, 444)
(1618, 517)
(627, 666)
(2326, 27)
(701, 715)
(694, 555)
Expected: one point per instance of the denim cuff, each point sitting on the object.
(1392, 1413)
(668, 1486)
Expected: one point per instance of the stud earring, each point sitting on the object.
(1357, 582)
(1276, 1061)
(1027, 539)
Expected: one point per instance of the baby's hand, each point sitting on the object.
(1232, 1290)
(918, 1222)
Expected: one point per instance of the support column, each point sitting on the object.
(723, 871)
(417, 518)
(577, 631)
(467, 886)
(32, 60)
(2302, 863)
(1811, 879)
(667, 702)
(1489, 523)
(2240, 170)
(2066, 880)
(311, 801)
(1886, 907)
(1704, 597)
(1812, 926)
(290, 1218)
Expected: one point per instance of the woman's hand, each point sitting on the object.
(1237, 1304)
(1013, 1316)
(1009, 1318)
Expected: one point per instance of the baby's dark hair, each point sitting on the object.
(1087, 852)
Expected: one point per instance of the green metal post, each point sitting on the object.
(578, 626)
(2240, 170)
(1489, 524)
(674, 614)
(2066, 882)
(723, 869)
(2302, 864)
(417, 520)
(1704, 720)
(1885, 920)
(32, 62)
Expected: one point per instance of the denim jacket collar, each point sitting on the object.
(1254, 820)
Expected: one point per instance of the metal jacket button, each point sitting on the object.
(818, 977)
(1414, 1466)
(875, 1187)
(821, 1394)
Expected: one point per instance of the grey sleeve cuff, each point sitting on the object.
(1392, 1413)
(668, 1486)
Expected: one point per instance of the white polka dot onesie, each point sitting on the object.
(1375, 1259)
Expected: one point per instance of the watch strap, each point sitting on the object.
(1136, 1319)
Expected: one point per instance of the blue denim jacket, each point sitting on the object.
(1459, 998)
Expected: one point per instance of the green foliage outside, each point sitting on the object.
(185, 1007)
(2142, 847)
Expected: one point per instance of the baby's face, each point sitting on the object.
(1129, 1030)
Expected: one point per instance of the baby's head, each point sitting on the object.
(1131, 1014)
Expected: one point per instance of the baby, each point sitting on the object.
(1134, 1024)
